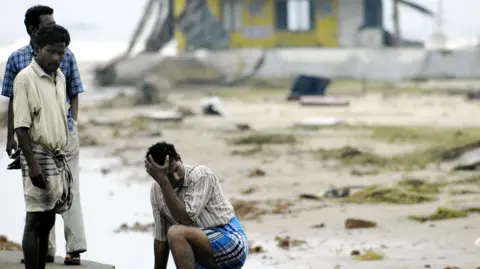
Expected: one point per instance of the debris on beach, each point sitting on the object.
(321, 225)
(468, 161)
(421, 186)
(340, 192)
(352, 223)
(377, 194)
(247, 152)
(369, 255)
(363, 172)
(7, 245)
(162, 116)
(256, 173)
(352, 156)
(249, 210)
(310, 196)
(287, 242)
(254, 248)
(212, 106)
(248, 190)
(260, 139)
(136, 227)
(317, 122)
(355, 253)
(443, 213)
(323, 101)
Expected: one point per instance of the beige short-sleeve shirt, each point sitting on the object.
(39, 105)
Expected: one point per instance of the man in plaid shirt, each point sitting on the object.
(36, 17)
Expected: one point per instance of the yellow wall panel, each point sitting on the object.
(215, 7)
(327, 23)
(258, 24)
(178, 6)
(296, 39)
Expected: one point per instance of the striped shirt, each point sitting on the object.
(204, 201)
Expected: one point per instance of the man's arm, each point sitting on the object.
(160, 245)
(74, 106)
(7, 91)
(22, 119)
(74, 86)
(25, 145)
(195, 199)
(10, 129)
(174, 204)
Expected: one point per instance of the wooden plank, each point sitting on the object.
(323, 101)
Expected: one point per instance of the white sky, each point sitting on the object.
(105, 20)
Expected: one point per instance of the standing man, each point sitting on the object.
(35, 18)
(41, 126)
(193, 218)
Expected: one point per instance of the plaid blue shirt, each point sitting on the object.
(22, 57)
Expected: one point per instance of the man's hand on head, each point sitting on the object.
(156, 171)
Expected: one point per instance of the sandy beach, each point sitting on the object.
(276, 173)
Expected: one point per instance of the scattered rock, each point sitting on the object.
(287, 242)
(136, 227)
(256, 173)
(249, 190)
(355, 253)
(253, 249)
(243, 127)
(321, 225)
(310, 196)
(6, 245)
(359, 224)
(105, 171)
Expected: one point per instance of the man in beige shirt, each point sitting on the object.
(193, 218)
(41, 127)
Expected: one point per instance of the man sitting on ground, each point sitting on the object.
(193, 218)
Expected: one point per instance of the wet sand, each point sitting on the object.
(290, 170)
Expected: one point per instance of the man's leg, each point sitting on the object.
(35, 238)
(76, 242)
(189, 246)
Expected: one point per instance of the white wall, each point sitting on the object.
(350, 17)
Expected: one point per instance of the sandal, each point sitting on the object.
(72, 259)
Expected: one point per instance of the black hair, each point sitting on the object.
(50, 35)
(32, 16)
(160, 150)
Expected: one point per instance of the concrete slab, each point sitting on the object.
(11, 260)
